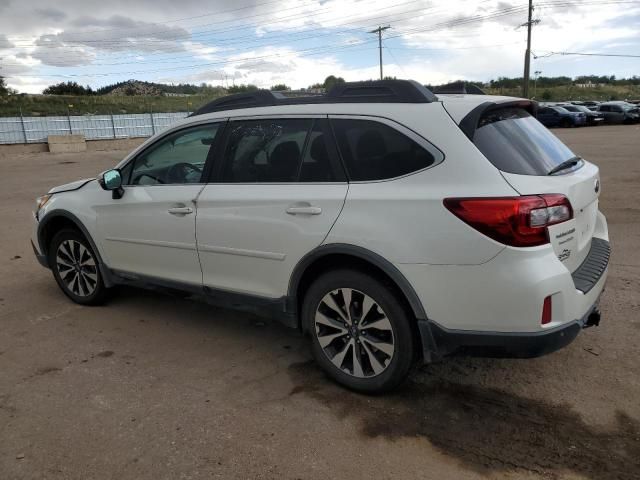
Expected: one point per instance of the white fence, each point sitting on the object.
(93, 127)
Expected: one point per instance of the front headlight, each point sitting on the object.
(42, 201)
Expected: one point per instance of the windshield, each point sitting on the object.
(515, 142)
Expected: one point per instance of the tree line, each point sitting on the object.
(136, 87)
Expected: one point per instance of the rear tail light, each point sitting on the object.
(515, 221)
(546, 311)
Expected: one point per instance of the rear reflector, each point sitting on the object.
(515, 221)
(546, 311)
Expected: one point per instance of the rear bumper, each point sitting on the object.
(507, 345)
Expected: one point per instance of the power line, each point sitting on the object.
(286, 38)
(622, 55)
(331, 48)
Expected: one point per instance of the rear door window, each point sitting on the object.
(515, 142)
(372, 150)
(263, 151)
(280, 150)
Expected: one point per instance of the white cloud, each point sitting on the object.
(424, 42)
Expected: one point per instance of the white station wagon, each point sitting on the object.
(391, 225)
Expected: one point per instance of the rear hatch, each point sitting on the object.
(534, 161)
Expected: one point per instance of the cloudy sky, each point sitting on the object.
(300, 42)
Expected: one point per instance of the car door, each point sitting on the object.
(150, 231)
(607, 114)
(617, 113)
(274, 197)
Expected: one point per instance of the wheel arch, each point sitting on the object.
(324, 257)
(58, 219)
(338, 255)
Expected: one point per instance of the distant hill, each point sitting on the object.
(139, 87)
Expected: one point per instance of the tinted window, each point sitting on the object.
(316, 163)
(265, 150)
(176, 159)
(604, 108)
(515, 142)
(375, 151)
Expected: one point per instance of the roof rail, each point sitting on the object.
(458, 88)
(379, 91)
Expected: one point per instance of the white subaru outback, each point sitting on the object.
(389, 224)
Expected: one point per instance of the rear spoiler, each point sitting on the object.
(469, 123)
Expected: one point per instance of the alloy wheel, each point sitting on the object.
(77, 268)
(354, 333)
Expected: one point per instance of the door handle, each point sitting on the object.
(180, 210)
(304, 210)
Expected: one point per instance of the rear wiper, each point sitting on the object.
(564, 165)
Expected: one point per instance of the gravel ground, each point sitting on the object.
(154, 387)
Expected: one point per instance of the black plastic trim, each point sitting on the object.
(593, 266)
(509, 344)
(262, 306)
(363, 254)
(42, 259)
(44, 221)
(379, 91)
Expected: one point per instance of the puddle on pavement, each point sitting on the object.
(487, 430)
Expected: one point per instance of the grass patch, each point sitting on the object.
(47, 105)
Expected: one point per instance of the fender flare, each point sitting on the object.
(53, 214)
(363, 254)
(429, 348)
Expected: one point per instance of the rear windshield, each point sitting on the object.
(515, 142)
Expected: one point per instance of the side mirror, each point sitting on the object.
(112, 180)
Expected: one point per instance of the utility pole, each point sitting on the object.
(379, 31)
(527, 55)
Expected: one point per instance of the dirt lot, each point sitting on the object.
(153, 387)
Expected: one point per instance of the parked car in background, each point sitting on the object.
(619, 112)
(593, 118)
(591, 104)
(560, 117)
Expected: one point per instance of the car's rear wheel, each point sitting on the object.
(360, 331)
(75, 268)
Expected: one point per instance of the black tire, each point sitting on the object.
(397, 366)
(566, 123)
(83, 291)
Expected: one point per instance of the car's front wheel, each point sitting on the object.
(75, 268)
(360, 330)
